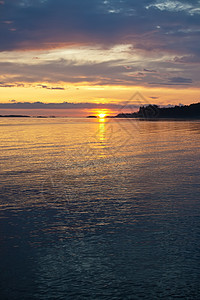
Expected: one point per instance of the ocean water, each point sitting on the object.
(99, 209)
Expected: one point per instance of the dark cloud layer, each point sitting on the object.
(65, 105)
(148, 25)
(180, 80)
(163, 38)
(113, 72)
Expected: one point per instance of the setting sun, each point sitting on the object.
(101, 115)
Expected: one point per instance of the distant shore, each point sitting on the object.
(155, 112)
(149, 112)
(14, 116)
(25, 116)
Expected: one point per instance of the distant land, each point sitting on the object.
(14, 116)
(191, 111)
(151, 111)
(24, 116)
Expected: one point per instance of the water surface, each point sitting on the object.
(94, 209)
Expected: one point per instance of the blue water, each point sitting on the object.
(99, 210)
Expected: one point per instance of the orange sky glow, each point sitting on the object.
(94, 94)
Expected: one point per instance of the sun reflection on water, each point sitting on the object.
(102, 130)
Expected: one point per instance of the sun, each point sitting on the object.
(101, 115)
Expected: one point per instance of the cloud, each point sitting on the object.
(150, 71)
(50, 88)
(191, 59)
(7, 85)
(163, 39)
(64, 105)
(128, 67)
(177, 6)
(59, 74)
(11, 85)
(148, 25)
(104, 73)
(180, 80)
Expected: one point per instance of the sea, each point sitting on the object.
(105, 209)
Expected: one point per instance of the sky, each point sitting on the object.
(75, 57)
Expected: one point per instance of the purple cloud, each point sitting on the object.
(54, 23)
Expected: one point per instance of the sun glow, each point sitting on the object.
(101, 115)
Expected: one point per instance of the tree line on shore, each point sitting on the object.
(191, 111)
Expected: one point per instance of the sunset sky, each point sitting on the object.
(74, 57)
